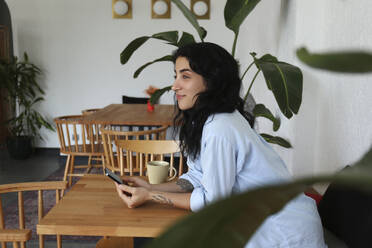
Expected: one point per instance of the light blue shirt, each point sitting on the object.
(234, 158)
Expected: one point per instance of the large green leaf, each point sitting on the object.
(162, 59)
(131, 48)
(186, 38)
(171, 37)
(348, 61)
(231, 222)
(157, 94)
(276, 140)
(191, 18)
(285, 81)
(261, 111)
(236, 11)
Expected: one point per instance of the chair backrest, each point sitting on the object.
(135, 100)
(86, 112)
(21, 235)
(77, 137)
(111, 137)
(148, 150)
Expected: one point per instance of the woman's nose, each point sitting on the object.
(175, 86)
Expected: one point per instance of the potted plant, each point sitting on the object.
(282, 79)
(19, 80)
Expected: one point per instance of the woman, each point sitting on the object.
(224, 154)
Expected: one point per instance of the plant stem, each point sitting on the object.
(245, 72)
(234, 44)
(250, 86)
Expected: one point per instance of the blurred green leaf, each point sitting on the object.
(236, 11)
(157, 94)
(227, 223)
(191, 18)
(162, 59)
(261, 111)
(276, 140)
(346, 62)
(232, 221)
(285, 81)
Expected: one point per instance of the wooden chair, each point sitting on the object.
(86, 112)
(77, 138)
(143, 151)
(19, 236)
(110, 139)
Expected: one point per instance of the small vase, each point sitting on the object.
(150, 107)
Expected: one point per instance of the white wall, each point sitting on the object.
(78, 43)
(333, 128)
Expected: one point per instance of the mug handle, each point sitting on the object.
(174, 175)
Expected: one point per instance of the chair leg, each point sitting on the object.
(59, 241)
(67, 168)
(103, 164)
(89, 161)
(41, 241)
(89, 166)
(72, 165)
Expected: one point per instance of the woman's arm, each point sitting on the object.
(139, 195)
(179, 200)
(178, 186)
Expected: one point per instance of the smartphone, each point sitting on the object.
(113, 176)
(117, 179)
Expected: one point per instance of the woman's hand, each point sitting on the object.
(137, 195)
(137, 182)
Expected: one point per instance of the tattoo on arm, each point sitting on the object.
(162, 199)
(185, 185)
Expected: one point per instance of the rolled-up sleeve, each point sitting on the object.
(193, 174)
(197, 200)
(216, 178)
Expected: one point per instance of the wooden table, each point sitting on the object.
(93, 208)
(132, 114)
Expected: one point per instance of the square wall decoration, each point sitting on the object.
(160, 9)
(122, 9)
(200, 8)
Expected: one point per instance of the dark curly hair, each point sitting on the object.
(220, 72)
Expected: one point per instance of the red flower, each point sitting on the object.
(151, 90)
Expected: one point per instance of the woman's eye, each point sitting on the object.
(175, 76)
(185, 77)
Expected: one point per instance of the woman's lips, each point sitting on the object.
(179, 97)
